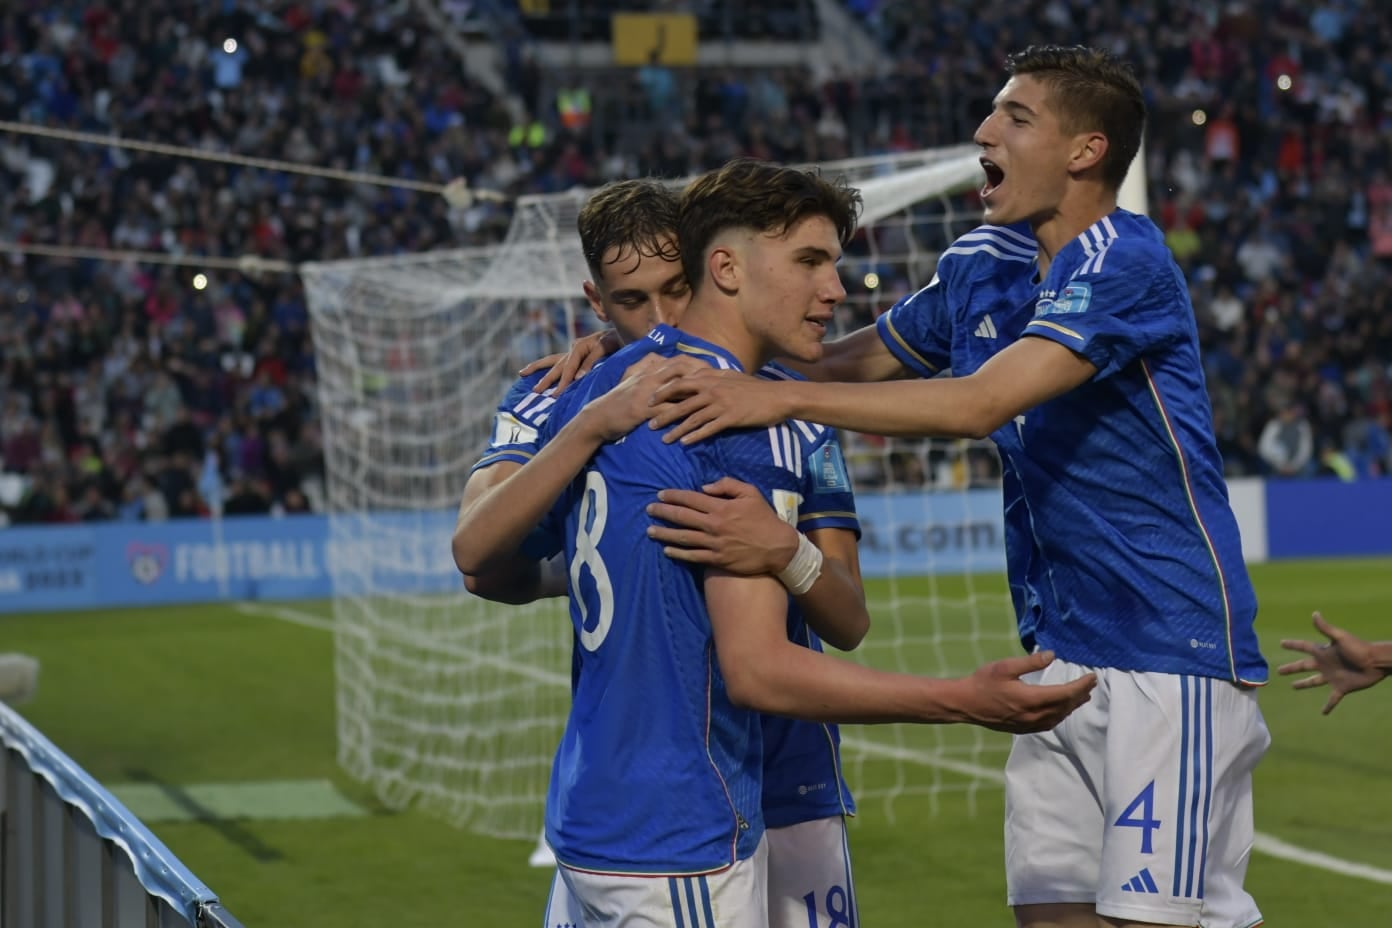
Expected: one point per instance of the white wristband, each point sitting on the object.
(804, 569)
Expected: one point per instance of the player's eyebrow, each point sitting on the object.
(814, 251)
(1015, 108)
(633, 293)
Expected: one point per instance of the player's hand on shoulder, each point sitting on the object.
(615, 413)
(728, 524)
(706, 402)
(565, 369)
(995, 696)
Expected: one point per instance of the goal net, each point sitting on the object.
(456, 704)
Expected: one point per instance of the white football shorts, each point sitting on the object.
(736, 897)
(1140, 802)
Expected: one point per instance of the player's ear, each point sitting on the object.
(1089, 148)
(723, 266)
(596, 304)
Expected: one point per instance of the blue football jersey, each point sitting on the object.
(802, 760)
(517, 422)
(657, 771)
(1122, 548)
(515, 439)
(977, 303)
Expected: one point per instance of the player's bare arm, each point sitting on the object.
(1346, 664)
(489, 532)
(834, 607)
(1023, 375)
(516, 579)
(729, 525)
(766, 672)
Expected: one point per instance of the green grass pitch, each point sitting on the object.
(207, 694)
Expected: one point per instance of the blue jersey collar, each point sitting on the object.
(671, 339)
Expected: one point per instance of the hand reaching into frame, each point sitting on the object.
(1346, 664)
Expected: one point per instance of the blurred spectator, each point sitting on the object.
(1287, 443)
(539, 335)
(247, 497)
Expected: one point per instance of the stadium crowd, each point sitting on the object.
(126, 392)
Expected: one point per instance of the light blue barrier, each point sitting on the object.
(75, 856)
(297, 557)
(904, 534)
(196, 560)
(301, 557)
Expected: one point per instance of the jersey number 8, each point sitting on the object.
(594, 511)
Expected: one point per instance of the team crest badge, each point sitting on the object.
(147, 562)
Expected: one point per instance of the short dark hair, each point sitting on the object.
(1091, 90)
(767, 198)
(638, 214)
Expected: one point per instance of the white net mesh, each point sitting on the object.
(455, 703)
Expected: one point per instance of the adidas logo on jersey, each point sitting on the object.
(987, 328)
(1142, 882)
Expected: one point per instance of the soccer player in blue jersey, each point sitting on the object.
(1069, 333)
(656, 801)
(627, 233)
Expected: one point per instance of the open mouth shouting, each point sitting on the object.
(994, 178)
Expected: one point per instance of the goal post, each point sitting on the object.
(456, 704)
(443, 700)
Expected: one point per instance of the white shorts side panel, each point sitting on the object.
(810, 882)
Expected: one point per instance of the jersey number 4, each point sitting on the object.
(594, 512)
(1141, 814)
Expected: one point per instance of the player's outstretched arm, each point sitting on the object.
(1023, 375)
(766, 672)
(1346, 664)
(491, 529)
(732, 527)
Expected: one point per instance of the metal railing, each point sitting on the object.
(72, 855)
